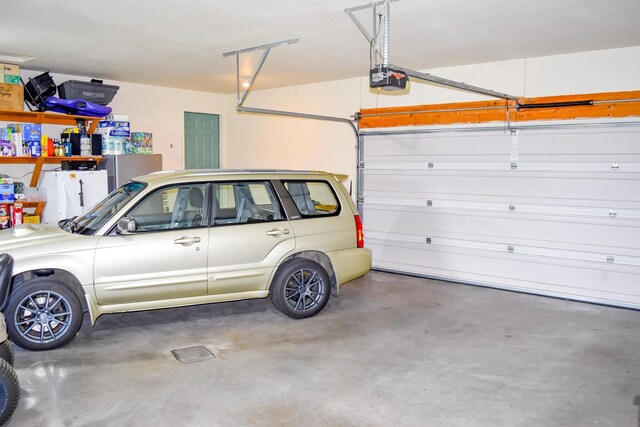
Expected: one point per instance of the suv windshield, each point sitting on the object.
(91, 222)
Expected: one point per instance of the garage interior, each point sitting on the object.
(499, 193)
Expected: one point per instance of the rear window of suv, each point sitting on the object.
(244, 202)
(313, 198)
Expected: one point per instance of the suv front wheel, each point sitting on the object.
(300, 288)
(43, 314)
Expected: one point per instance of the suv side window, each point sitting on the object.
(313, 198)
(174, 207)
(245, 202)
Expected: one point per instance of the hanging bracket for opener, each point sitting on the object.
(384, 67)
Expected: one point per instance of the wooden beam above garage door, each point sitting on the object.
(600, 105)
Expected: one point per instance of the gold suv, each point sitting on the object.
(181, 238)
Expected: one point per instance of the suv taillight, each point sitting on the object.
(359, 232)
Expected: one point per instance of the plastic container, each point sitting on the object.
(35, 194)
(85, 146)
(38, 89)
(17, 214)
(35, 149)
(94, 91)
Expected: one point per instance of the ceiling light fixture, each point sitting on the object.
(245, 82)
(15, 58)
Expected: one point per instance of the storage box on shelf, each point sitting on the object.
(11, 97)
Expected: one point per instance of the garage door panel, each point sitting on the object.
(485, 144)
(534, 185)
(559, 214)
(567, 279)
(524, 203)
(580, 142)
(586, 234)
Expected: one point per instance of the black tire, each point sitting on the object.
(9, 391)
(6, 352)
(43, 314)
(300, 288)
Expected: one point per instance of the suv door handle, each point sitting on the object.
(277, 232)
(187, 240)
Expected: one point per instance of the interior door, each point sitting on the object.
(202, 141)
(166, 258)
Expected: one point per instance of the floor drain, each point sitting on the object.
(192, 354)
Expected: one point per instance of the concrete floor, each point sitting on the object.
(391, 350)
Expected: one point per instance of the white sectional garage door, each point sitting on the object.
(552, 210)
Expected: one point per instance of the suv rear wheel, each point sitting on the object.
(43, 314)
(300, 288)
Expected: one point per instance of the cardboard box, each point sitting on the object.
(5, 222)
(112, 145)
(112, 128)
(18, 146)
(141, 143)
(5, 134)
(17, 214)
(31, 132)
(6, 190)
(6, 149)
(32, 219)
(9, 73)
(11, 97)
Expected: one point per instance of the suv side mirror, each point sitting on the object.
(127, 225)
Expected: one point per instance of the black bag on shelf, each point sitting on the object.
(37, 90)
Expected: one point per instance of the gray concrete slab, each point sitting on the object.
(391, 350)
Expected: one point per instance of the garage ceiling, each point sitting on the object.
(180, 43)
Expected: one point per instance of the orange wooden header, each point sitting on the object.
(610, 104)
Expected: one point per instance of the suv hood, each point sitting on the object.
(34, 239)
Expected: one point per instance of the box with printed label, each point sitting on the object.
(142, 142)
(7, 190)
(112, 128)
(5, 134)
(16, 143)
(112, 145)
(31, 132)
(11, 97)
(10, 73)
(6, 149)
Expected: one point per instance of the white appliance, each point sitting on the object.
(71, 193)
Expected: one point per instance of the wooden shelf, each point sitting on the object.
(39, 206)
(41, 161)
(48, 118)
(44, 118)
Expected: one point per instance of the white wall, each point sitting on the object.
(258, 141)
